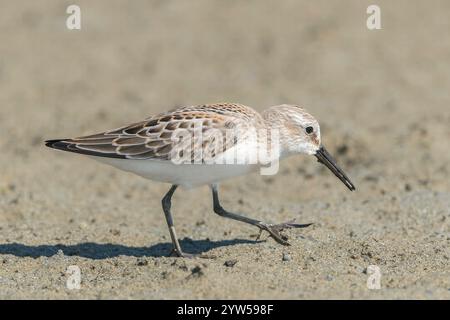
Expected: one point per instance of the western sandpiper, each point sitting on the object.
(204, 145)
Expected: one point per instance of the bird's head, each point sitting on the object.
(300, 134)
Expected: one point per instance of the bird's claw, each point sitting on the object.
(275, 230)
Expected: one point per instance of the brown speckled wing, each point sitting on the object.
(154, 137)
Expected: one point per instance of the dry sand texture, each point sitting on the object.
(382, 98)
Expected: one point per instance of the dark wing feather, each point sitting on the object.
(152, 138)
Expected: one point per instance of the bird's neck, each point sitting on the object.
(276, 133)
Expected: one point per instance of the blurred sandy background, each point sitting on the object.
(382, 98)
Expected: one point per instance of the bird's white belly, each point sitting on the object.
(186, 175)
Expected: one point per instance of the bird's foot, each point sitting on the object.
(275, 230)
(181, 254)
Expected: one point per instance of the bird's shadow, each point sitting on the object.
(99, 251)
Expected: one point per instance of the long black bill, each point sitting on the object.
(325, 158)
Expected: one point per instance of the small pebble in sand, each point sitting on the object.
(141, 262)
(196, 272)
(200, 223)
(286, 257)
(115, 232)
(230, 263)
(83, 225)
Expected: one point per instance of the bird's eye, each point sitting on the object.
(309, 130)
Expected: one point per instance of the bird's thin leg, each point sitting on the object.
(273, 229)
(166, 204)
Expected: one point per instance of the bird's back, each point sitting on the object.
(153, 137)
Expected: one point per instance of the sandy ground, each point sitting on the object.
(382, 98)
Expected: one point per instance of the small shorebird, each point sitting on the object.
(148, 148)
